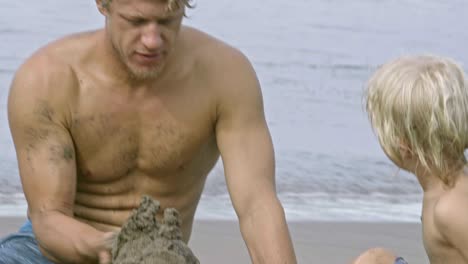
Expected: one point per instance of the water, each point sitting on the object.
(312, 58)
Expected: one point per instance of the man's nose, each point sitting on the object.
(151, 37)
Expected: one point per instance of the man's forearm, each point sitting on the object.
(266, 234)
(63, 239)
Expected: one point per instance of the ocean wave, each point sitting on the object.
(325, 207)
(298, 207)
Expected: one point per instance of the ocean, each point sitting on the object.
(313, 58)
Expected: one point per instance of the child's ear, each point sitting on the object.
(405, 150)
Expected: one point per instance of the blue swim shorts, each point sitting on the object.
(400, 260)
(21, 248)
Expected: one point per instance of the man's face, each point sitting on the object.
(143, 33)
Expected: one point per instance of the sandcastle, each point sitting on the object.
(144, 240)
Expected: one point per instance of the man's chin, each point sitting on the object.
(145, 74)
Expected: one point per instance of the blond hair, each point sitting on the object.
(172, 5)
(422, 102)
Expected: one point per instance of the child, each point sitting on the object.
(418, 107)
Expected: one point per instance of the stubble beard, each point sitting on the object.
(139, 73)
(142, 74)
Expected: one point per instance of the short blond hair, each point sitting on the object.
(172, 5)
(422, 102)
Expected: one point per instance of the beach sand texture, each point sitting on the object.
(315, 242)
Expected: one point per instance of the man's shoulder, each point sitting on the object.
(228, 72)
(50, 71)
(55, 61)
(59, 54)
(213, 52)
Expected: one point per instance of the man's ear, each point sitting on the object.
(103, 6)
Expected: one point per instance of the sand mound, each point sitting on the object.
(143, 240)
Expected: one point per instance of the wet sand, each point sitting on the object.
(314, 242)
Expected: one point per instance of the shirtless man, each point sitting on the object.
(143, 106)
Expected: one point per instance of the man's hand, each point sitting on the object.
(104, 247)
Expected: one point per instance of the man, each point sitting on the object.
(144, 106)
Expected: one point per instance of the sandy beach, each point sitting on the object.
(315, 242)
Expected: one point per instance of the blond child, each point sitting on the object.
(418, 108)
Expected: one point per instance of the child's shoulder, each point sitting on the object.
(450, 211)
(453, 199)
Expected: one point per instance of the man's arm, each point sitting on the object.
(38, 106)
(451, 221)
(248, 157)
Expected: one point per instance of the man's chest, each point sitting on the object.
(114, 138)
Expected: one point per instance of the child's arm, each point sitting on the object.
(451, 220)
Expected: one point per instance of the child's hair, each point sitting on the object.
(421, 102)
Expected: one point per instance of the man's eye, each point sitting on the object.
(166, 21)
(136, 22)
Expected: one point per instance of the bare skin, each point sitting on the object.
(444, 219)
(144, 106)
(445, 222)
(376, 256)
